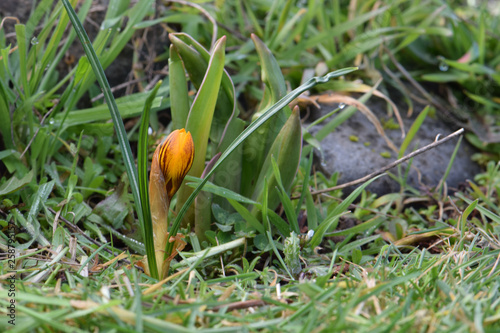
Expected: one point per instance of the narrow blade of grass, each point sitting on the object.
(142, 166)
(113, 109)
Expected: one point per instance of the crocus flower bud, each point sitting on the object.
(175, 157)
(172, 160)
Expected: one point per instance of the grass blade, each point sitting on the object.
(113, 109)
(179, 99)
(142, 166)
(23, 58)
(413, 131)
(335, 214)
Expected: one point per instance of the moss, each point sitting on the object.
(385, 154)
(389, 124)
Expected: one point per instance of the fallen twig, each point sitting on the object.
(240, 305)
(36, 133)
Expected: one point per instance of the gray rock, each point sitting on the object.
(353, 160)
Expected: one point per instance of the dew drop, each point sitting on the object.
(52, 122)
(310, 233)
(342, 105)
(443, 66)
(34, 41)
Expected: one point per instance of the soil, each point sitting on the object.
(355, 149)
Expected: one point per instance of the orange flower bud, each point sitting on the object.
(175, 157)
(172, 160)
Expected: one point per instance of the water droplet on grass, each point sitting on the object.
(34, 41)
(443, 66)
(310, 233)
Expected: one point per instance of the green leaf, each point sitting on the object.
(291, 249)
(262, 243)
(356, 255)
(195, 59)
(305, 184)
(413, 131)
(256, 148)
(5, 125)
(23, 69)
(474, 68)
(50, 29)
(58, 238)
(31, 224)
(285, 199)
(449, 166)
(203, 215)
(39, 12)
(372, 223)
(332, 218)
(336, 31)
(142, 166)
(312, 218)
(285, 36)
(115, 208)
(47, 82)
(247, 132)
(275, 87)
(120, 38)
(278, 255)
(226, 126)
(218, 190)
(278, 222)
(463, 220)
(228, 175)
(200, 118)
(179, 99)
(247, 216)
(23, 58)
(451, 76)
(202, 110)
(482, 100)
(286, 149)
(14, 183)
(128, 106)
(366, 42)
(357, 243)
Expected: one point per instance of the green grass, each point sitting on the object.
(416, 291)
(72, 206)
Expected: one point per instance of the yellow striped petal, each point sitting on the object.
(175, 157)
